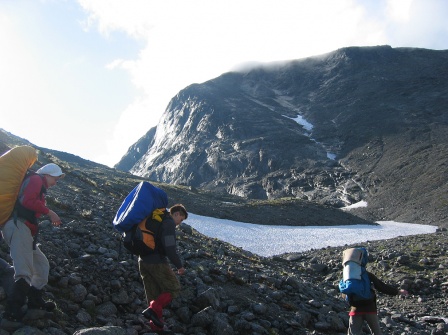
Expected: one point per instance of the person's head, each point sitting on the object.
(179, 213)
(52, 173)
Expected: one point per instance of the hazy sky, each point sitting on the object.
(90, 77)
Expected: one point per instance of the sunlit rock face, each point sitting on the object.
(332, 129)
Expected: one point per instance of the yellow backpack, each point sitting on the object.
(13, 167)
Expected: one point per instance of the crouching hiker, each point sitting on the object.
(160, 282)
(31, 266)
(359, 287)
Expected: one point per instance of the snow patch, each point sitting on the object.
(359, 204)
(268, 241)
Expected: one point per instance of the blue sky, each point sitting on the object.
(90, 77)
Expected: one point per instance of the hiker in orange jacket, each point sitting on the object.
(160, 282)
(31, 266)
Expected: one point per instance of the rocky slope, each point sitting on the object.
(225, 290)
(382, 112)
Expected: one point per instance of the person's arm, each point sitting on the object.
(54, 218)
(385, 288)
(169, 244)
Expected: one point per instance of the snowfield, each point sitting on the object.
(274, 240)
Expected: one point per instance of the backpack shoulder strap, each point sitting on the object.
(19, 209)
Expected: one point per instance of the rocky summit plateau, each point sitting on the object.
(358, 123)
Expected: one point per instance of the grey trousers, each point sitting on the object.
(30, 264)
(355, 324)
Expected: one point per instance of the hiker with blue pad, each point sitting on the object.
(359, 287)
(160, 282)
(149, 231)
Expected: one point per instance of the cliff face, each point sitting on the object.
(355, 124)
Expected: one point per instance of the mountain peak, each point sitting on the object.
(368, 111)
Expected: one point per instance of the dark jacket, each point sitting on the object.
(369, 306)
(167, 250)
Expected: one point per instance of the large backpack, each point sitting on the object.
(355, 282)
(138, 205)
(14, 165)
(144, 238)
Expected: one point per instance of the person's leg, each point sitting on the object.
(167, 280)
(168, 286)
(13, 315)
(41, 268)
(374, 324)
(160, 303)
(147, 273)
(20, 242)
(38, 282)
(6, 276)
(152, 291)
(355, 324)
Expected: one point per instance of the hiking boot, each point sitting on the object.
(12, 317)
(35, 300)
(10, 325)
(36, 314)
(151, 315)
(165, 330)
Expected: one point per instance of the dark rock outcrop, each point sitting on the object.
(381, 112)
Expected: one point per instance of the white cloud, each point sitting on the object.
(399, 10)
(416, 23)
(187, 42)
(131, 126)
(110, 67)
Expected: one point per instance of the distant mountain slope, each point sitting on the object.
(382, 112)
(86, 179)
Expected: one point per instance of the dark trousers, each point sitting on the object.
(158, 279)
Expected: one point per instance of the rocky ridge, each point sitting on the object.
(229, 291)
(376, 130)
(226, 290)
